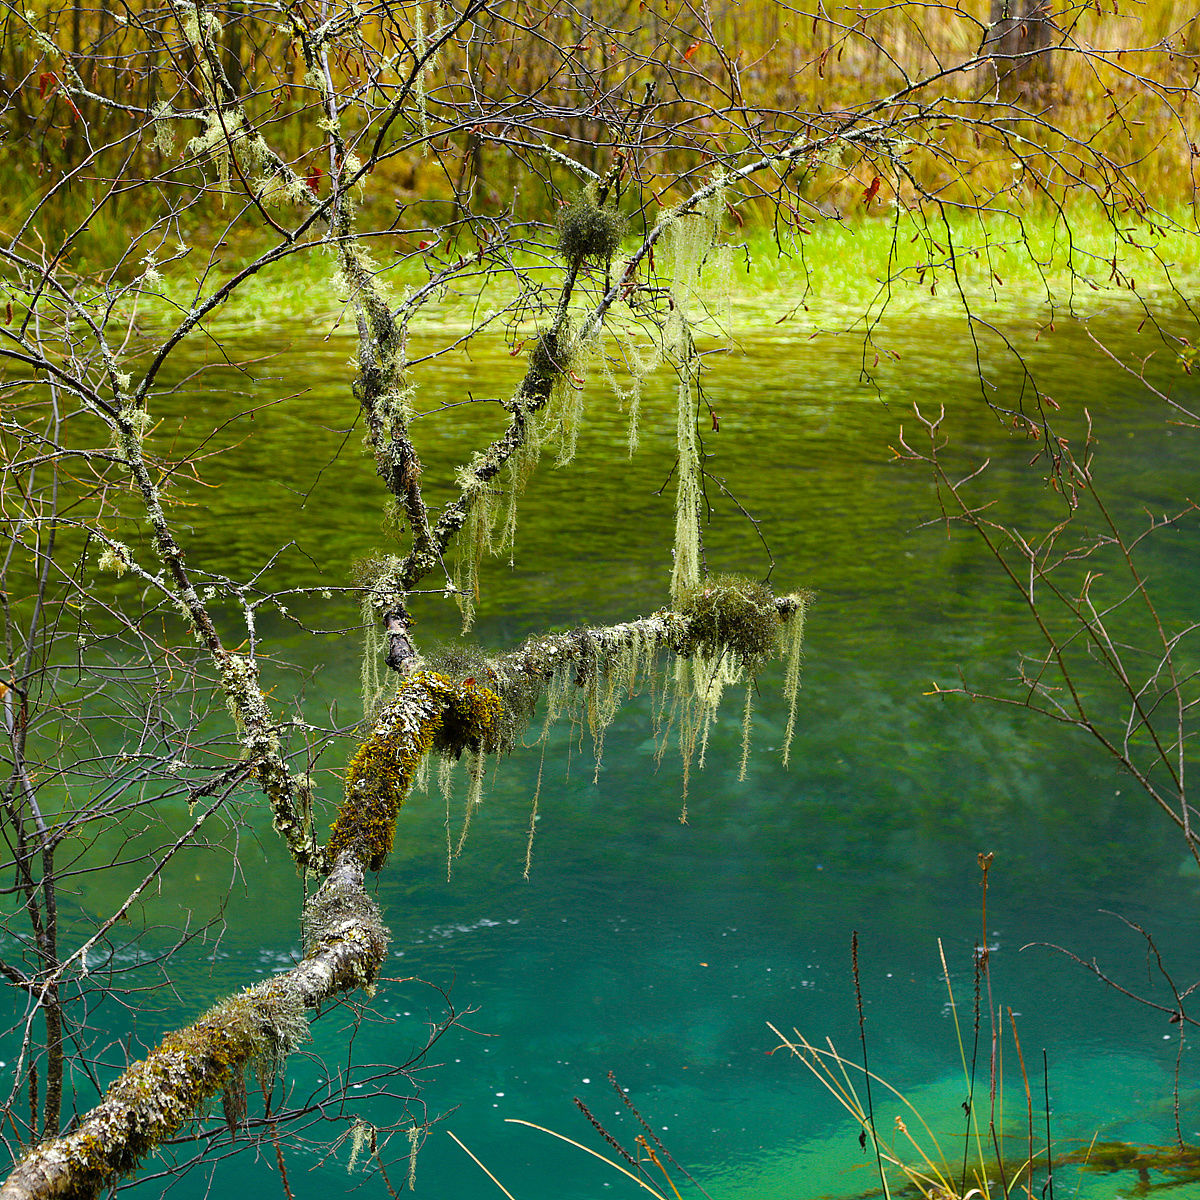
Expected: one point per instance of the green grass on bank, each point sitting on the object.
(1036, 260)
(831, 274)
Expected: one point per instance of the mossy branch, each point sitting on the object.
(345, 945)
(702, 624)
(430, 711)
(378, 386)
(733, 622)
(381, 392)
(344, 938)
(547, 363)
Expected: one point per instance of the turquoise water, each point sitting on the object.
(657, 950)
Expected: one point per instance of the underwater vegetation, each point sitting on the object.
(1176, 1165)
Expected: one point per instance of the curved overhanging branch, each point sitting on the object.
(725, 631)
(681, 632)
(547, 363)
(345, 944)
(343, 934)
(429, 712)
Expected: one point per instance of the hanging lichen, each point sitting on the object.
(564, 413)
(700, 683)
(475, 538)
(420, 50)
(724, 631)
(691, 238)
(699, 677)
(687, 567)
(747, 717)
(793, 653)
(636, 359)
(374, 650)
(375, 575)
(730, 615)
(521, 467)
(155, 1097)
(534, 816)
(733, 627)
(361, 1134)
(476, 769)
(445, 778)
(547, 406)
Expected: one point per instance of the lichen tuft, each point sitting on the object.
(588, 231)
(518, 692)
(728, 614)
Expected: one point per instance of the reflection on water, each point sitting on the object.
(657, 950)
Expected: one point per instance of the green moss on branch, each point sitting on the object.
(345, 943)
(158, 1095)
(728, 614)
(429, 712)
(726, 629)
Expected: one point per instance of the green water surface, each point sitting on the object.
(659, 950)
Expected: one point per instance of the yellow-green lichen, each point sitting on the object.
(518, 690)
(157, 1095)
(589, 231)
(727, 614)
(429, 712)
(730, 628)
(115, 558)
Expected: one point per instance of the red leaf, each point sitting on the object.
(687, 54)
(872, 190)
